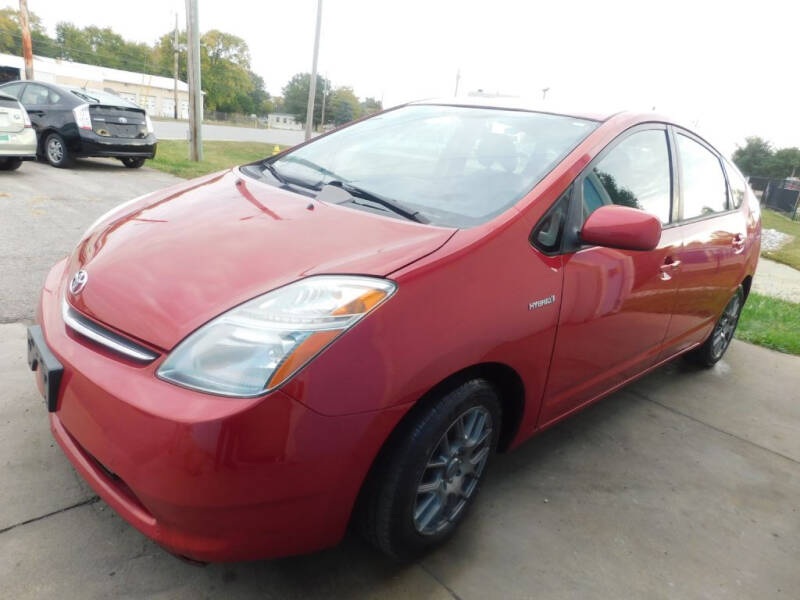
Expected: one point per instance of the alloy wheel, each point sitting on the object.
(55, 150)
(453, 471)
(723, 331)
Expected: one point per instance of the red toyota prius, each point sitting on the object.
(243, 364)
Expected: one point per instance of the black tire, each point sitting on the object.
(131, 162)
(56, 152)
(10, 164)
(394, 512)
(713, 349)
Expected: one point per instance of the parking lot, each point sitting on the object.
(683, 485)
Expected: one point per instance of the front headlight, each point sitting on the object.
(258, 345)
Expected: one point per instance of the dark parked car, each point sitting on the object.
(75, 122)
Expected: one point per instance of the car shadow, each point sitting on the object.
(95, 164)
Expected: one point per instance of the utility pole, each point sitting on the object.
(27, 46)
(312, 85)
(325, 95)
(175, 68)
(458, 80)
(195, 93)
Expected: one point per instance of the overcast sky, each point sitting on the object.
(728, 69)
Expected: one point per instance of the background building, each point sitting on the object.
(283, 121)
(152, 92)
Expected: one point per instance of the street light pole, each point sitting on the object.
(27, 46)
(195, 94)
(312, 85)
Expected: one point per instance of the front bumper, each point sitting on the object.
(21, 144)
(92, 144)
(210, 478)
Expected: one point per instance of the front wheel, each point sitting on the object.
(707, 354)
(426, 480)
(131, 162)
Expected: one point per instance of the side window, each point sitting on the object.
(634, 173)
(737, 184)
(703, 188)
(35, 94)
(547, 235)
(12, 90)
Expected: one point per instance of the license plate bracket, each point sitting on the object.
(41, 359)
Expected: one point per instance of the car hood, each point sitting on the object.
(161, 266)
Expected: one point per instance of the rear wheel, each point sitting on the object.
(9, 164)
(56, 151)
(717, 343)
(131, 162)
(421, 488)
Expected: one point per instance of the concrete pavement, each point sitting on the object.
(684, 485)
(777, 280)
(179, 130)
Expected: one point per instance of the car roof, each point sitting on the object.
(520, 103)
(622, 118)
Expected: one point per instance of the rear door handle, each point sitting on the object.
(738, 243)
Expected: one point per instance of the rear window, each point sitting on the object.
(457, 166)
(99, 97)
(7, 102)
(12, 89)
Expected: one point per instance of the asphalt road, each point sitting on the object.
(45, 210)
(179, 130)
(684, 485)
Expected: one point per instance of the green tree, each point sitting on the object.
(101, 46)
(370, 105)
(11, 34)
(163, 55)
(344, 106)
(225, 70)
(295, 96)
(754, 157)
(785, 162)
(758, 158)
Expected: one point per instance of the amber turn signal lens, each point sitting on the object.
(301, 355)
(363, 304)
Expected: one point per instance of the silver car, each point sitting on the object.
(17, 137)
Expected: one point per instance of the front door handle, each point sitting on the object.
(669, 265)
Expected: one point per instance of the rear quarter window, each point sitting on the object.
(737, 183)
(703, 188)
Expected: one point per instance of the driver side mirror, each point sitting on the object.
(614, 226)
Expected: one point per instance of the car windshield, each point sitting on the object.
(456, 166)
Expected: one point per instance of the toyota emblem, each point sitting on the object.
(78, 282)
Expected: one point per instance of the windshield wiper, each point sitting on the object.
(274, 172)
(393, 205)
(312, 165)
(287, 181)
